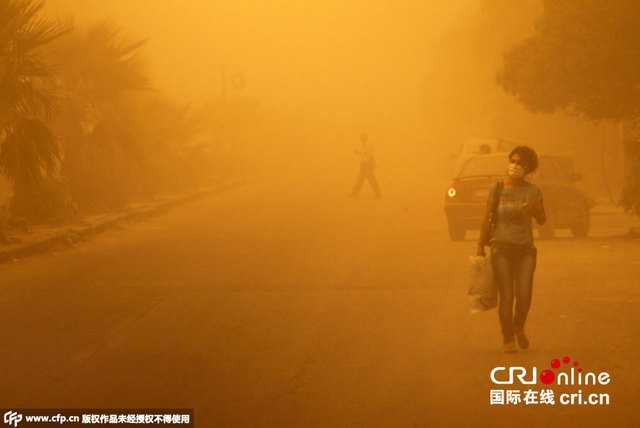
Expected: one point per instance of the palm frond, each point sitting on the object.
(29, 150)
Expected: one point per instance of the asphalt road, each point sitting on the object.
(272, 306)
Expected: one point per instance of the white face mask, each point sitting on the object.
(515, 171)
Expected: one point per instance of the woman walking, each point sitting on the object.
(507, 229)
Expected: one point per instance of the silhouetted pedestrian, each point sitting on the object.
(367, 167)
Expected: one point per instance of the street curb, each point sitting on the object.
(75, 234)
(607, 210)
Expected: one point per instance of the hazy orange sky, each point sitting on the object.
(332, 57)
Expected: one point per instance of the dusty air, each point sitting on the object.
(319, 213)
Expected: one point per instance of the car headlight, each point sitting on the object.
(451, 192)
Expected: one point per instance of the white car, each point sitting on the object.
(477, 146)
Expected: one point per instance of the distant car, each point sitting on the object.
(566, 206)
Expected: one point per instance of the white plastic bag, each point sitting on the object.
(483, 292)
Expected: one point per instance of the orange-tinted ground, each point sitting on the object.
(291, 305)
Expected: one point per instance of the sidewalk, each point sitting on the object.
(606, 209)
(41, 238)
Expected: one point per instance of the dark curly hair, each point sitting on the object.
(529, 158)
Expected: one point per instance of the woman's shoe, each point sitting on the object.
(523, 342)
(510, 347)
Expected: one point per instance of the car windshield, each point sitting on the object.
(480, 166)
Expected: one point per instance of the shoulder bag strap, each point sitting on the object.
(496, 201)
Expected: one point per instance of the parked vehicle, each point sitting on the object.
(566, 206)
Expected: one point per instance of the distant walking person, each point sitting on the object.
(367, 167)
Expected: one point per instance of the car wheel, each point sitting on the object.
(456, 233)
(548, 229)
(581, 229)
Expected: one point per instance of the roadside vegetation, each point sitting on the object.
(82, 129)
(584, 59)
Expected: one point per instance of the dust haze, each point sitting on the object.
(419, 78)
(316, 296)
(316, 75)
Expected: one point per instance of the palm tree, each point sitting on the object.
(100, 73)
(28, 148)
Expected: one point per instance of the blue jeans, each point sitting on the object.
(513, 269)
